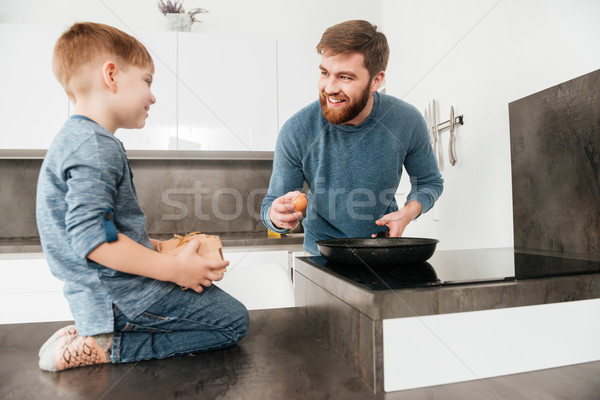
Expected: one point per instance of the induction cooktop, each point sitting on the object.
(459, 267)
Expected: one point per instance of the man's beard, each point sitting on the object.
(346, 113)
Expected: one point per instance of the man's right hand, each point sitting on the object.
(281, 212)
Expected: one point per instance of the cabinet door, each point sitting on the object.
(29, 292)
(298, 76)
(227, 93)
(33, 105)
(258, 279)
(160, 132)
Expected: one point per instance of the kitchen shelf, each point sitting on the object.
(155, 154)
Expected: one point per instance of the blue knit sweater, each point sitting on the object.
(352, 172)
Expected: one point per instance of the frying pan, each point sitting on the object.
(377, 251)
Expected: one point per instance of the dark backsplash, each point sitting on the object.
(178, 196)
(555, 149)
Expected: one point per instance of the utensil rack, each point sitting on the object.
(444, 126)
(437, 129)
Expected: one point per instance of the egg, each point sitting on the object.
(300, 202)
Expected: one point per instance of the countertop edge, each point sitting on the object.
(292, 242)
(435, 300)
(36, 154)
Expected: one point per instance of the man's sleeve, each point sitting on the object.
(421, 165)
(287, 174)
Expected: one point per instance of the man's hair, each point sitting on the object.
(357, 36)
(85, 42)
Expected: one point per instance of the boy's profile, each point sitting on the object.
(125, 296)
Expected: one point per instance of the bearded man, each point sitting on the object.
(350, 148)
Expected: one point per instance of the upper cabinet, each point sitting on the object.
(297, 76)
(33, 105)
(227, 93)
(160, 131)
(213, 92)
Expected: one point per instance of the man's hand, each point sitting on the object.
(196, 272)
(281, 212)
(398, 220)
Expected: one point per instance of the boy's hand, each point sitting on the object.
(186, 269)
(155, 244)
(195, 272)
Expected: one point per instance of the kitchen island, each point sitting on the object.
(473, 314)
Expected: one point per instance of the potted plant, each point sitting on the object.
(177, 18)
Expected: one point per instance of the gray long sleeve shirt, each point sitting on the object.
(85, 195)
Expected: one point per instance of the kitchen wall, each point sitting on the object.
(478, 56)
(475, 55)
(281, 19)
(177, 196)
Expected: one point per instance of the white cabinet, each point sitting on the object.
(227, 96)
(258, 279)
(160, 132)
(298, 76)
(213, 92)
(29, 292)
(33, 105)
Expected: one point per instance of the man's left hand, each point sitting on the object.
(398, 220)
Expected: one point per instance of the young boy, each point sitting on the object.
(125, 296)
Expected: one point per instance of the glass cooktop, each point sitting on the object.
(456, 267)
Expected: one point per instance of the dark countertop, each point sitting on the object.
(281, 358)
(509, 287)
(229, 240)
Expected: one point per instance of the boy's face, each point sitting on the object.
(135, 96)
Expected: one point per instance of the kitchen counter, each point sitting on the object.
(281, 358)
(470, 292)
(468, 280)
(258, 240)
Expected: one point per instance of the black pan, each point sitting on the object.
(378, 251)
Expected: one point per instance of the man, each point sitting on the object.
(350, 147)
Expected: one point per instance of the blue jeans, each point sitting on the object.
(182, 322)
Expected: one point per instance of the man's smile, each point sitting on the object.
(334, 102)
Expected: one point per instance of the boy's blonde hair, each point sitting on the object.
(85, 42)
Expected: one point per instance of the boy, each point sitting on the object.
(125, 296)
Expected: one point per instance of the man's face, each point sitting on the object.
(345, 89)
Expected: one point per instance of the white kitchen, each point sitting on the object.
(203, 162)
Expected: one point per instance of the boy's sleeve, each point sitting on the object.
(93, 175)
